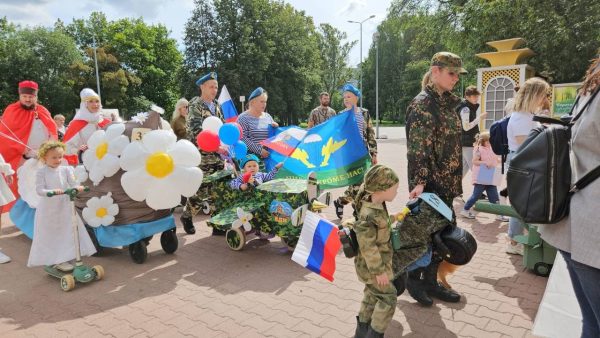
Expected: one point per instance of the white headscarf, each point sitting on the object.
(83, 113)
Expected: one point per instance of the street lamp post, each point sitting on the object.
(96, 62)
(361, 75)
(376, 40)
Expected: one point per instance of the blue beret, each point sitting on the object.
(348, 87)
(209, 76)
(248, 158)
(257, 92)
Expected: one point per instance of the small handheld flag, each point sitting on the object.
(229, 112)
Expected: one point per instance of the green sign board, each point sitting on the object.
(563, 98)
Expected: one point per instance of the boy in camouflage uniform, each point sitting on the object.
(434, 154)
(365, 126)
(373, 262)
(201, 107)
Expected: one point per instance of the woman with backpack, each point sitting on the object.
(578, 235)
(530, 100)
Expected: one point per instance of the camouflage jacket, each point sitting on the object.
(434, 150)
(198, 111)
(373, 235)
(319, 115)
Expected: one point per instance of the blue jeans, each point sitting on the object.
(586, 285)
(478, 189)
(515, 225)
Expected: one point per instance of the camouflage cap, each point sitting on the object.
(448, 60)
(380, 178)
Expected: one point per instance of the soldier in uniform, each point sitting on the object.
(433, 133)
(351, 95)
(201, 107)
(373, 262)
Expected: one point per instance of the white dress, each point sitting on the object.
(53, 240)
(6, 195)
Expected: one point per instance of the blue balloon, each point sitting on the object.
(240, 149)
(229, 134)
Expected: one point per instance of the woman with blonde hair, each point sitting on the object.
(178, 118)
(530, 100)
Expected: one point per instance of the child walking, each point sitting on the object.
(483, 171)
(53, 241)
(251, 176)
(373, 262)
(6, 195)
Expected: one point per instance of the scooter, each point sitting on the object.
(81, 273)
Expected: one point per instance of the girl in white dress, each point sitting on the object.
(53, 241)
(6, 195)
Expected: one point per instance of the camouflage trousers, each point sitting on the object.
(415, 236)
(194, 203)
(378, 306)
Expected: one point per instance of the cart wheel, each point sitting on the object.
(138, 251)
(205, 208)
(67, 282)
(542, 269)
(290, 243)
(236, 238)
(99, 271)
(169, 241)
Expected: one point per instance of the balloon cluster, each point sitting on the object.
(214, 133)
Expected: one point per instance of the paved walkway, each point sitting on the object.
(207, 290)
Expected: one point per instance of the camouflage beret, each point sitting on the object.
(448, 60)
(380, 178)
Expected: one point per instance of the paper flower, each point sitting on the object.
(100, 211)
(243, 220)
(159, 170)
(140, 117)
(104, 148)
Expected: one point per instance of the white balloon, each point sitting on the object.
(212, 123)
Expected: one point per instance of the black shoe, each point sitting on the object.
(188, 225)
(373, 334)
(361, 329)
(339, 208)
(218, 232)
(440, 292)
(483, 196)
(504, 192)
(417, 288)
(400, 284)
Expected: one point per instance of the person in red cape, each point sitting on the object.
(87, 120)
(24, 126)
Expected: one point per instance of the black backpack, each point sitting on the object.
(539, 175)
(499, 138)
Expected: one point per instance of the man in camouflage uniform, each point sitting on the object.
(433, 133)
(365, 126)
(322, 113)
(201, 107)
(373, 262)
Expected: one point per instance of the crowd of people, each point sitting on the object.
(444, 142)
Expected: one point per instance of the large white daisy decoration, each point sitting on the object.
(104, 148)
(243, 220)
(160, 169)
(100, 211)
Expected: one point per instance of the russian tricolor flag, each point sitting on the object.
(227, 107)
(317, 246)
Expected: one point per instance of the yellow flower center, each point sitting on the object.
(101, 150)
(101, 212)
(159, 164)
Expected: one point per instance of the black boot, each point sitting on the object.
(373, 334)
(188, 225)
(417, 288)
(434, 288)
(400, 284)
(361, 329)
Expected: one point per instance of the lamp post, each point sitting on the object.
(360, 23)
(96, 62)
(376, 40)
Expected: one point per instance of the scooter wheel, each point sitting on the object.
(169, 241)
(138, 251)
(236, 238)
(542, 269)
(99, 271)
(67, 282)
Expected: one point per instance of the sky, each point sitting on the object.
(174, 13)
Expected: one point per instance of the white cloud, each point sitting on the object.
(352, 7)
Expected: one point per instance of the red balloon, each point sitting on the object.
(208, 141)
(240, 128)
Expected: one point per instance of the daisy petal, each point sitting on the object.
(158, 141)
(163, 194)
(188, 180)
(133, 157)
(110, 165)
(185, 154)
(135, 184)
(114, 130)
(96, 139)
(117, 145)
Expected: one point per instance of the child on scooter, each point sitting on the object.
(53, 242)
(251, 176)
(6, 195)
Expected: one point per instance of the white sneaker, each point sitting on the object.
(502, 218)
(64, 267)
(516, 249)
(4, 258)
(467, 214)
